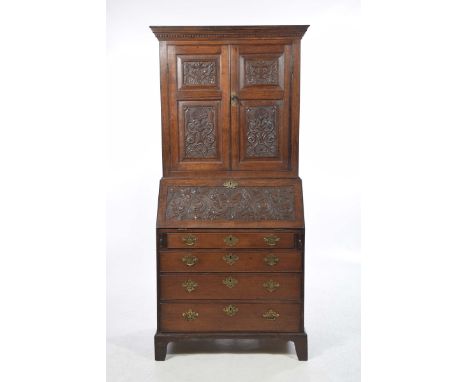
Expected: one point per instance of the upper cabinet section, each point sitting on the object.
(230, 100)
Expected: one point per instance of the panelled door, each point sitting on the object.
(229, 107)
(199, 107)
(260, 84)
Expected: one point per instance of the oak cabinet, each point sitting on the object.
(230, 225)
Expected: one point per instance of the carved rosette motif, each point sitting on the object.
(262, 134)
(199, 73)
(200, 132)
(261, 72)
(220, 203)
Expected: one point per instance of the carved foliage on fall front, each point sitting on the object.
(220, 203)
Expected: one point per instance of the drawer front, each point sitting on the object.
(233, 240)
(268, 286)
(229, 316)
(230, 261)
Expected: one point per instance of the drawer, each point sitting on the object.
(230, 316)
(230, 261)
(265, 239)
(246, 286)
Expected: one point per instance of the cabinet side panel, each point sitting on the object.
(294, 106)
(164, 107)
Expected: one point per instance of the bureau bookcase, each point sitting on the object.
(230, 220)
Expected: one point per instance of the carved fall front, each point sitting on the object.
(220, 203)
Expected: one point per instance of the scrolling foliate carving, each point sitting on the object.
(220, 203)
(261, 72)
(200, 132)
(262, 134)
(199, 73)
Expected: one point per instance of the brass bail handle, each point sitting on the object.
(189, 239)
(270, 315)
(271, 259)
(190, 260)
(271, 240)
(230, 310)
(190, 315)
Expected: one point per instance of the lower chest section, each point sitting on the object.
(230, 280)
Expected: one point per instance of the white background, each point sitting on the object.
(329, 166)
(413, 97)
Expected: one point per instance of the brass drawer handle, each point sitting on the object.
(230, 310)
(190, 260)
(189, 285)
(230, 282)
(190, 315)
(231, 241)
(270, 315)
(271, 285)
(230, 183)
(271, 259)
(271, 239)
(189, 239)
(230, 258)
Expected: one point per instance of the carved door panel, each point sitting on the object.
(199, 107)
(260, 81)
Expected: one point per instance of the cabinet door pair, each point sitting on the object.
(229, 107)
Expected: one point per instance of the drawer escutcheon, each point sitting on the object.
(190, 315)
(230, 310)
(189, 239)
(230, 282)
(230, 258)
(189, 285)
(271, 259)
(270, 315)
(231, 241)
(271, 285)
(230, 183)
(271, 240)
(190, 260)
